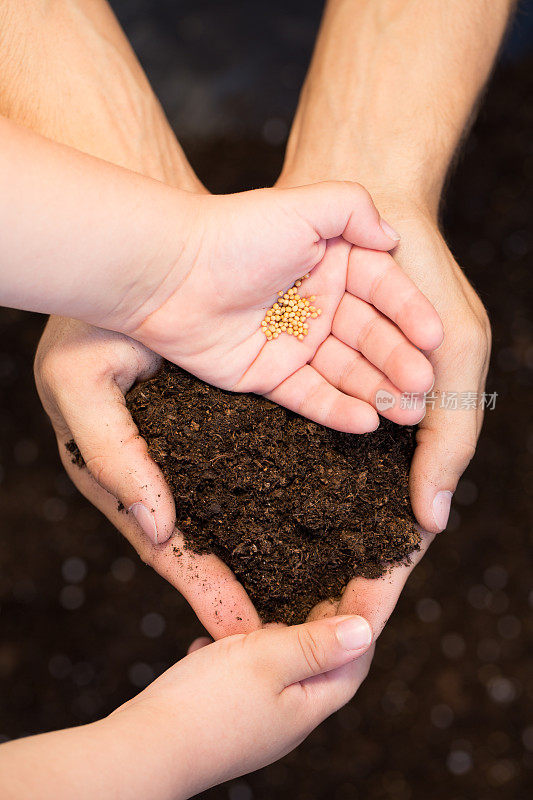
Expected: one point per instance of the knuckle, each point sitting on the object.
(348, 372)
(357, 191)
(49, 366)
(312, 650)
(98, 466)
(366, 332)
(476, 335)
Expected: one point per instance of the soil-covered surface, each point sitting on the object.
(295, 509)
(446, 710)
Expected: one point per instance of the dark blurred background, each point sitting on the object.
(446, 710)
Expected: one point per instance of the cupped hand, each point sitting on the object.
(241, 251)
(448, 433)
(82, 374)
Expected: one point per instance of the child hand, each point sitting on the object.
(238, 704)
(226, 709)
(240, 251)
(191, 276)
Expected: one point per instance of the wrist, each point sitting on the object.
(152, 742)
(120, 119)
(395, 197)
(159, 244)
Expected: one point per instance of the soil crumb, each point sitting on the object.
(294, 508)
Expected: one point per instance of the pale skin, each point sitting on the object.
(391, 88)
(111, 362)
(60, 225)
(190, 276)
(368, 55)
(267, 690)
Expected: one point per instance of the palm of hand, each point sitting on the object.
(257, 244)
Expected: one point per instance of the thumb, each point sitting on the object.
(117, 457)
(303, 651)
(446, 442)
(343, 208)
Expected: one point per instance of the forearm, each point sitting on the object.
(81, 236)
(69, 73)
(105, 760)
(390, 90)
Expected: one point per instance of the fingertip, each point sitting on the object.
(430, 499)
(365, 421)
(431, 334)
(198, 644)
(389, 231)
(419, 378)
(146, 521)
(440, 508)
(373, 424)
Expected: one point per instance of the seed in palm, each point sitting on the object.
(290, 313)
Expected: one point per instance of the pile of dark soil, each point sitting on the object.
(294, 508)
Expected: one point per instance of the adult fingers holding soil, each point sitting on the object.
(374, 599)
(117, 456)
(447, 436)
(209, 586)
(82, 374)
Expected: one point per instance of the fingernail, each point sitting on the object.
(441, 508)
(354, 633)
(145, 519)
(389, 230)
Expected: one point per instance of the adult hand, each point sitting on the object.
(82, 374)
(446, 437)
(391, 87)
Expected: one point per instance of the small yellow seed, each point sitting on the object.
(289, 313)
